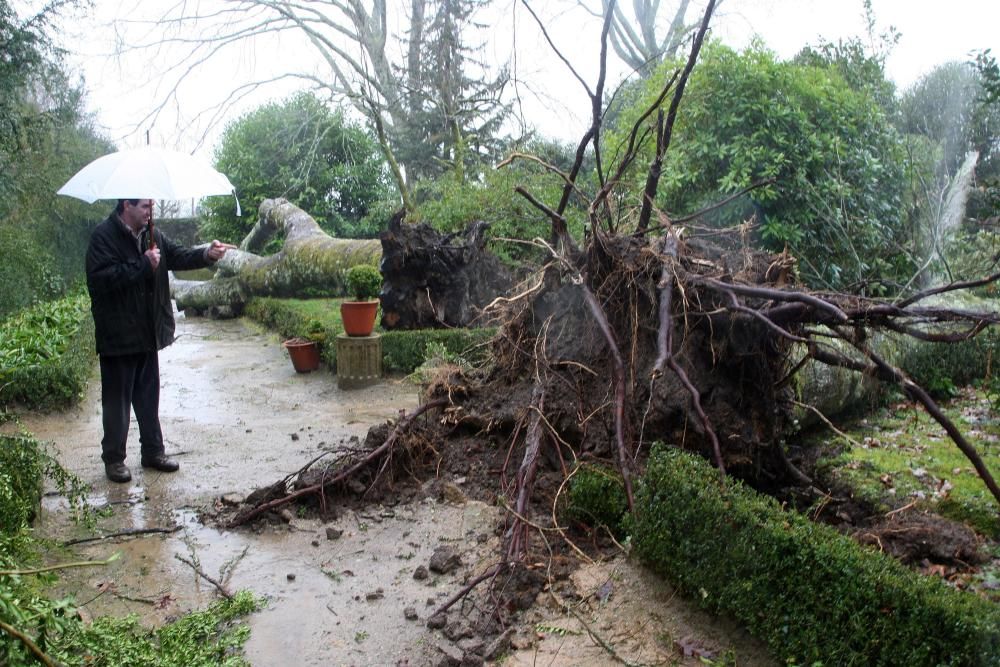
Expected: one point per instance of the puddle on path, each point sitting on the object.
(237, 416)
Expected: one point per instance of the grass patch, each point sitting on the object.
(901, 455)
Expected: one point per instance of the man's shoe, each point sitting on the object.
(117, 472)
(161, 463)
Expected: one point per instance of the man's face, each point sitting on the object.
(136, 217)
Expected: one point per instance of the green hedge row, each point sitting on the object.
(812, 594)
(940, 367)
(402, 351)
(47, 354)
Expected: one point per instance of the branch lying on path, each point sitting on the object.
(219, 587)
(132, 532)
(343, 474)
(64, 566)
(491, 572)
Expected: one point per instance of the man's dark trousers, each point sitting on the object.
(130, 381)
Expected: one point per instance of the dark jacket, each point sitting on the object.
(130, 303)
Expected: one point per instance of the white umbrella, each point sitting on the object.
(146, 173)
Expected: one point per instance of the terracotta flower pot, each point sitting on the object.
(359, 317)
(304, 354)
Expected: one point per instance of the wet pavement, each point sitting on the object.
(237, 417)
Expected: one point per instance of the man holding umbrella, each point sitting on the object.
(127, 265)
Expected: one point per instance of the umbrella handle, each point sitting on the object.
(149, 231)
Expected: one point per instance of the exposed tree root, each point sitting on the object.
(380, 454)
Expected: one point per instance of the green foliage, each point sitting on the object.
(861, 61)
(364, 282)
(24, 463)
(21, 467)
(436, 358)
(989, 72)
(204, 638)
(45, 138)
(402, 351)
(303, 151)
(810, 593)
(450, 204)
(597, 498)
(945, 366)
(831, 150)
(47, 353)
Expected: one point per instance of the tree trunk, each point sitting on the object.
(310, 259)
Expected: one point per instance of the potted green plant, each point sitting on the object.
(364, 282)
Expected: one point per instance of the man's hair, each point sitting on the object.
(121, 205)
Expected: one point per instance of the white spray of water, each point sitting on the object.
(950, 213)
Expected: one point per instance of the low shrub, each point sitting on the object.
(21, 468)
(404, 351)
(47, 354)
(942, 367)
(597, 498)
(812, 594)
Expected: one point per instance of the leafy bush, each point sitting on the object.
(812, 594)
(942, 367)
(597, 498)
(404, 351)
(21, 468)
(834, 157)
(449, 205)
(47, 353)
(306, 152)
(364, 282)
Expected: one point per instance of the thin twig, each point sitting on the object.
(219, 587)
(132, 532)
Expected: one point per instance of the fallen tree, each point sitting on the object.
(429, 279)
(661, 332)
(309, 259)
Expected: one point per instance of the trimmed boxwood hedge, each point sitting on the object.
(812, 594)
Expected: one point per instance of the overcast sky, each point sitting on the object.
(122, 90)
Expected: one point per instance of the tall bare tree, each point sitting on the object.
(648, 33)
(372, 53)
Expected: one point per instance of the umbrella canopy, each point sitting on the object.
(146, 173)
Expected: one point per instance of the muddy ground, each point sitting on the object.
(236, 416)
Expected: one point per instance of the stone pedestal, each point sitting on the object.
(359, 360)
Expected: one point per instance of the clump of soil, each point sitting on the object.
(922, 538)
